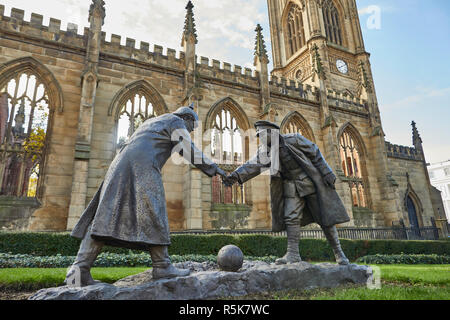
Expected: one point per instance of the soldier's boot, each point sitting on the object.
(79, 274)
(333, 239)
(292, 255)
(162, 267)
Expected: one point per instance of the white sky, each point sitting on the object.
(225, 28)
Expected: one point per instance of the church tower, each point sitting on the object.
(320, 36)
(320, 43)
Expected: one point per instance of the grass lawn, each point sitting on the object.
(34, 279)
(388, 291)
(438, 275)
(399, 282)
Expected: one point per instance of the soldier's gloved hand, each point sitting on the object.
(330, 180)
(231, 180)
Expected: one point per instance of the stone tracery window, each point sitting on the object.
(295, 30)
(24, 115)
(135, 110)
(227, 150)
(351, 159)
(295, 124)
(332, 22)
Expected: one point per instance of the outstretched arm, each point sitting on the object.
(187, 149)
(200, 161)
(250, 169)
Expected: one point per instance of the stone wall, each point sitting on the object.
(15, 212)
(416, 183)
(440, 217)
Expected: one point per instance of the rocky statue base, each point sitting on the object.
(207, 282)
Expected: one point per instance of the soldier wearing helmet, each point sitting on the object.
(302, 188)
(129, 209)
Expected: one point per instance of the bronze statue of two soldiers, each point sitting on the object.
(129, 209)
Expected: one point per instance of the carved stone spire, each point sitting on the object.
(189, 41)
(97, 14)
(97, 9)
(189, 24)
(260, 62)
(318, 68)
(364, 78)
(417, 140)
(260, 45)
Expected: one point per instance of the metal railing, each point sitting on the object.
(395, 233)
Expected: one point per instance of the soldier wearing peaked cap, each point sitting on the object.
(302, 188)
(129, 209)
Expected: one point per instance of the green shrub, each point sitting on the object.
(105, 259)
(204, 245)
(50, 244)
(405, 259)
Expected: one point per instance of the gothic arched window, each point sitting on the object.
(352, 166)
(24, 115)
(295, 30)
(332, 23)
(227, 150)
(133, 112)
(226, 138)
(294, 123)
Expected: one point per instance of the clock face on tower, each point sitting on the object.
(342, 66)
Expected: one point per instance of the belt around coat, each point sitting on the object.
(297, 174)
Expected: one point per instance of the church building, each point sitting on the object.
(70, 98)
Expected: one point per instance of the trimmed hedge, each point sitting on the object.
(49, 244)
(104, 260)
(405, 259)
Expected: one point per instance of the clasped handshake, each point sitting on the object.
(228, 179)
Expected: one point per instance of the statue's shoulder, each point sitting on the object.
(169, 118)
(296, 138)
(291, 137)
(163, 123)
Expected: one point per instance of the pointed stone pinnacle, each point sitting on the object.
(317, 61)
(416, 136)
(100, 6)
(189, 24)
(260, 46)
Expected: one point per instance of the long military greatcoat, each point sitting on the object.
(310, 159)
(129, 209)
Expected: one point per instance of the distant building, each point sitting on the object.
(440, 179)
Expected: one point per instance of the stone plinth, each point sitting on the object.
(207, 282)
